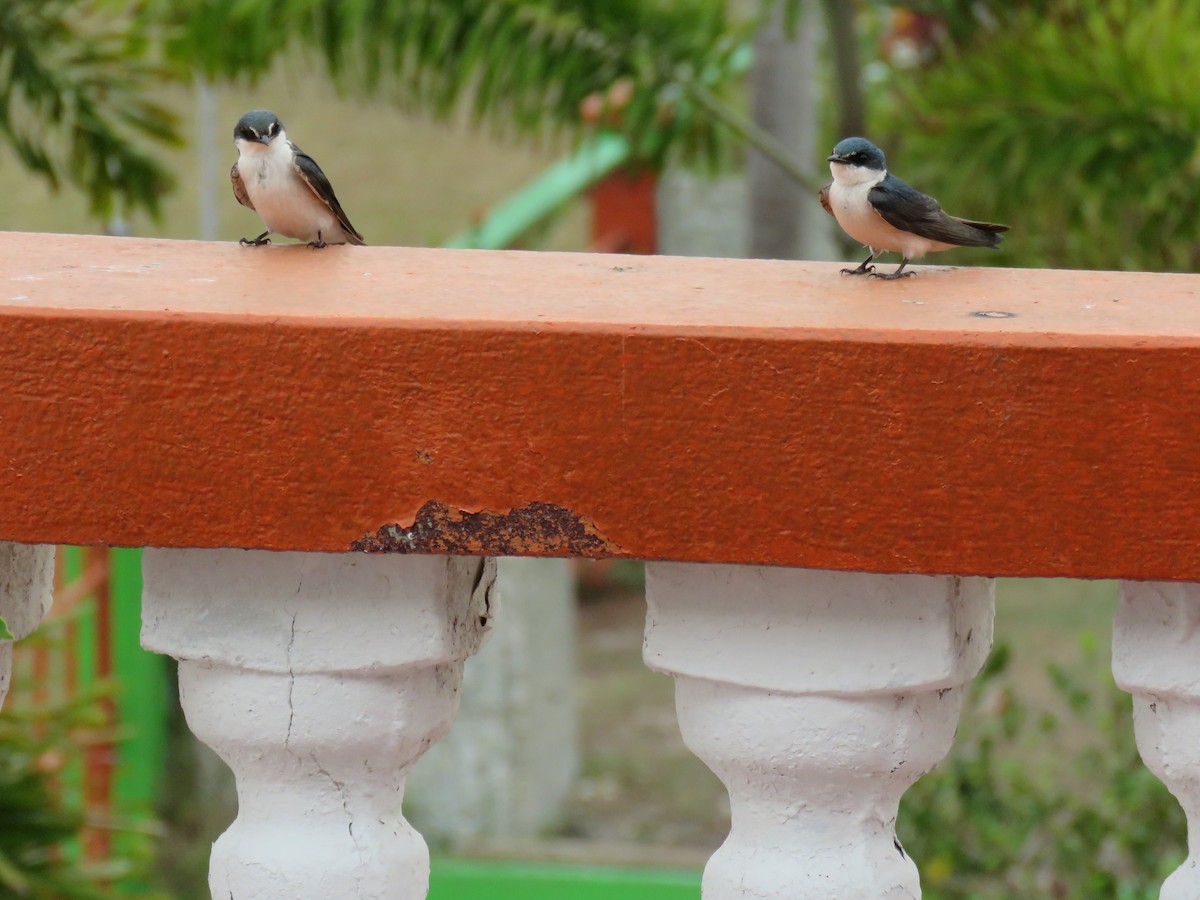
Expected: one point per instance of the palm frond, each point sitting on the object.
(531, 66)
(74, 85)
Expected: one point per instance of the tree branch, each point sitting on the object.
(746, 129)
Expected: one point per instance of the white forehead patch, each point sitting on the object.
(847, 173)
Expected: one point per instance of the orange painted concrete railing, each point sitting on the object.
(986, 421)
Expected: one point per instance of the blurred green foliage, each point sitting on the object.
(1077, 122)
(76, 77)
(986, 825)
(42, 820)
(75, 100)
(528, 67)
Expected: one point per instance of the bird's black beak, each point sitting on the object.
(264, 139)
(833, 157)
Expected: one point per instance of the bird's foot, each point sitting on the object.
(864, 269)
(899, 273)
(255, 242)
(319, 243)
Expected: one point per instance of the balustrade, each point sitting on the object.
(324, 452)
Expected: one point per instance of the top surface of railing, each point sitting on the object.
(980, 421)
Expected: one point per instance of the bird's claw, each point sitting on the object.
(254, 242)
(891, 276)
(317, 245)
(861, 270)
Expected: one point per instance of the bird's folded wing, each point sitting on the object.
(986, 226)
(308, 170)
(907, 209)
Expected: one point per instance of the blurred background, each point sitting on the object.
(693, 127)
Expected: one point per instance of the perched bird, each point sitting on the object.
(285, 186)
(881, 211)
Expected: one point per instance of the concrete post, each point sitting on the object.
(26, 588)
(818, 698)
(320, 679)
(1156, 657)
(784, 218)
(701, 215)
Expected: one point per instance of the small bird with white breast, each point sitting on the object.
(285, 186)
(882, 212)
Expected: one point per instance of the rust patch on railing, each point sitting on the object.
(537, 529)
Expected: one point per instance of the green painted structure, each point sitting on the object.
(542, 197)
(478, 880)
(142, 697)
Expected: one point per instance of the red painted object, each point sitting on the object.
(978, 421)
(624, 213)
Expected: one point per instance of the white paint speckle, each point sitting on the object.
(127, 270)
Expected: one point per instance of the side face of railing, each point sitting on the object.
(823, 472)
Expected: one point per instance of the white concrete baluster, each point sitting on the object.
(1156, 657)
(320, 679)
(26, 587)
(818, 698)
